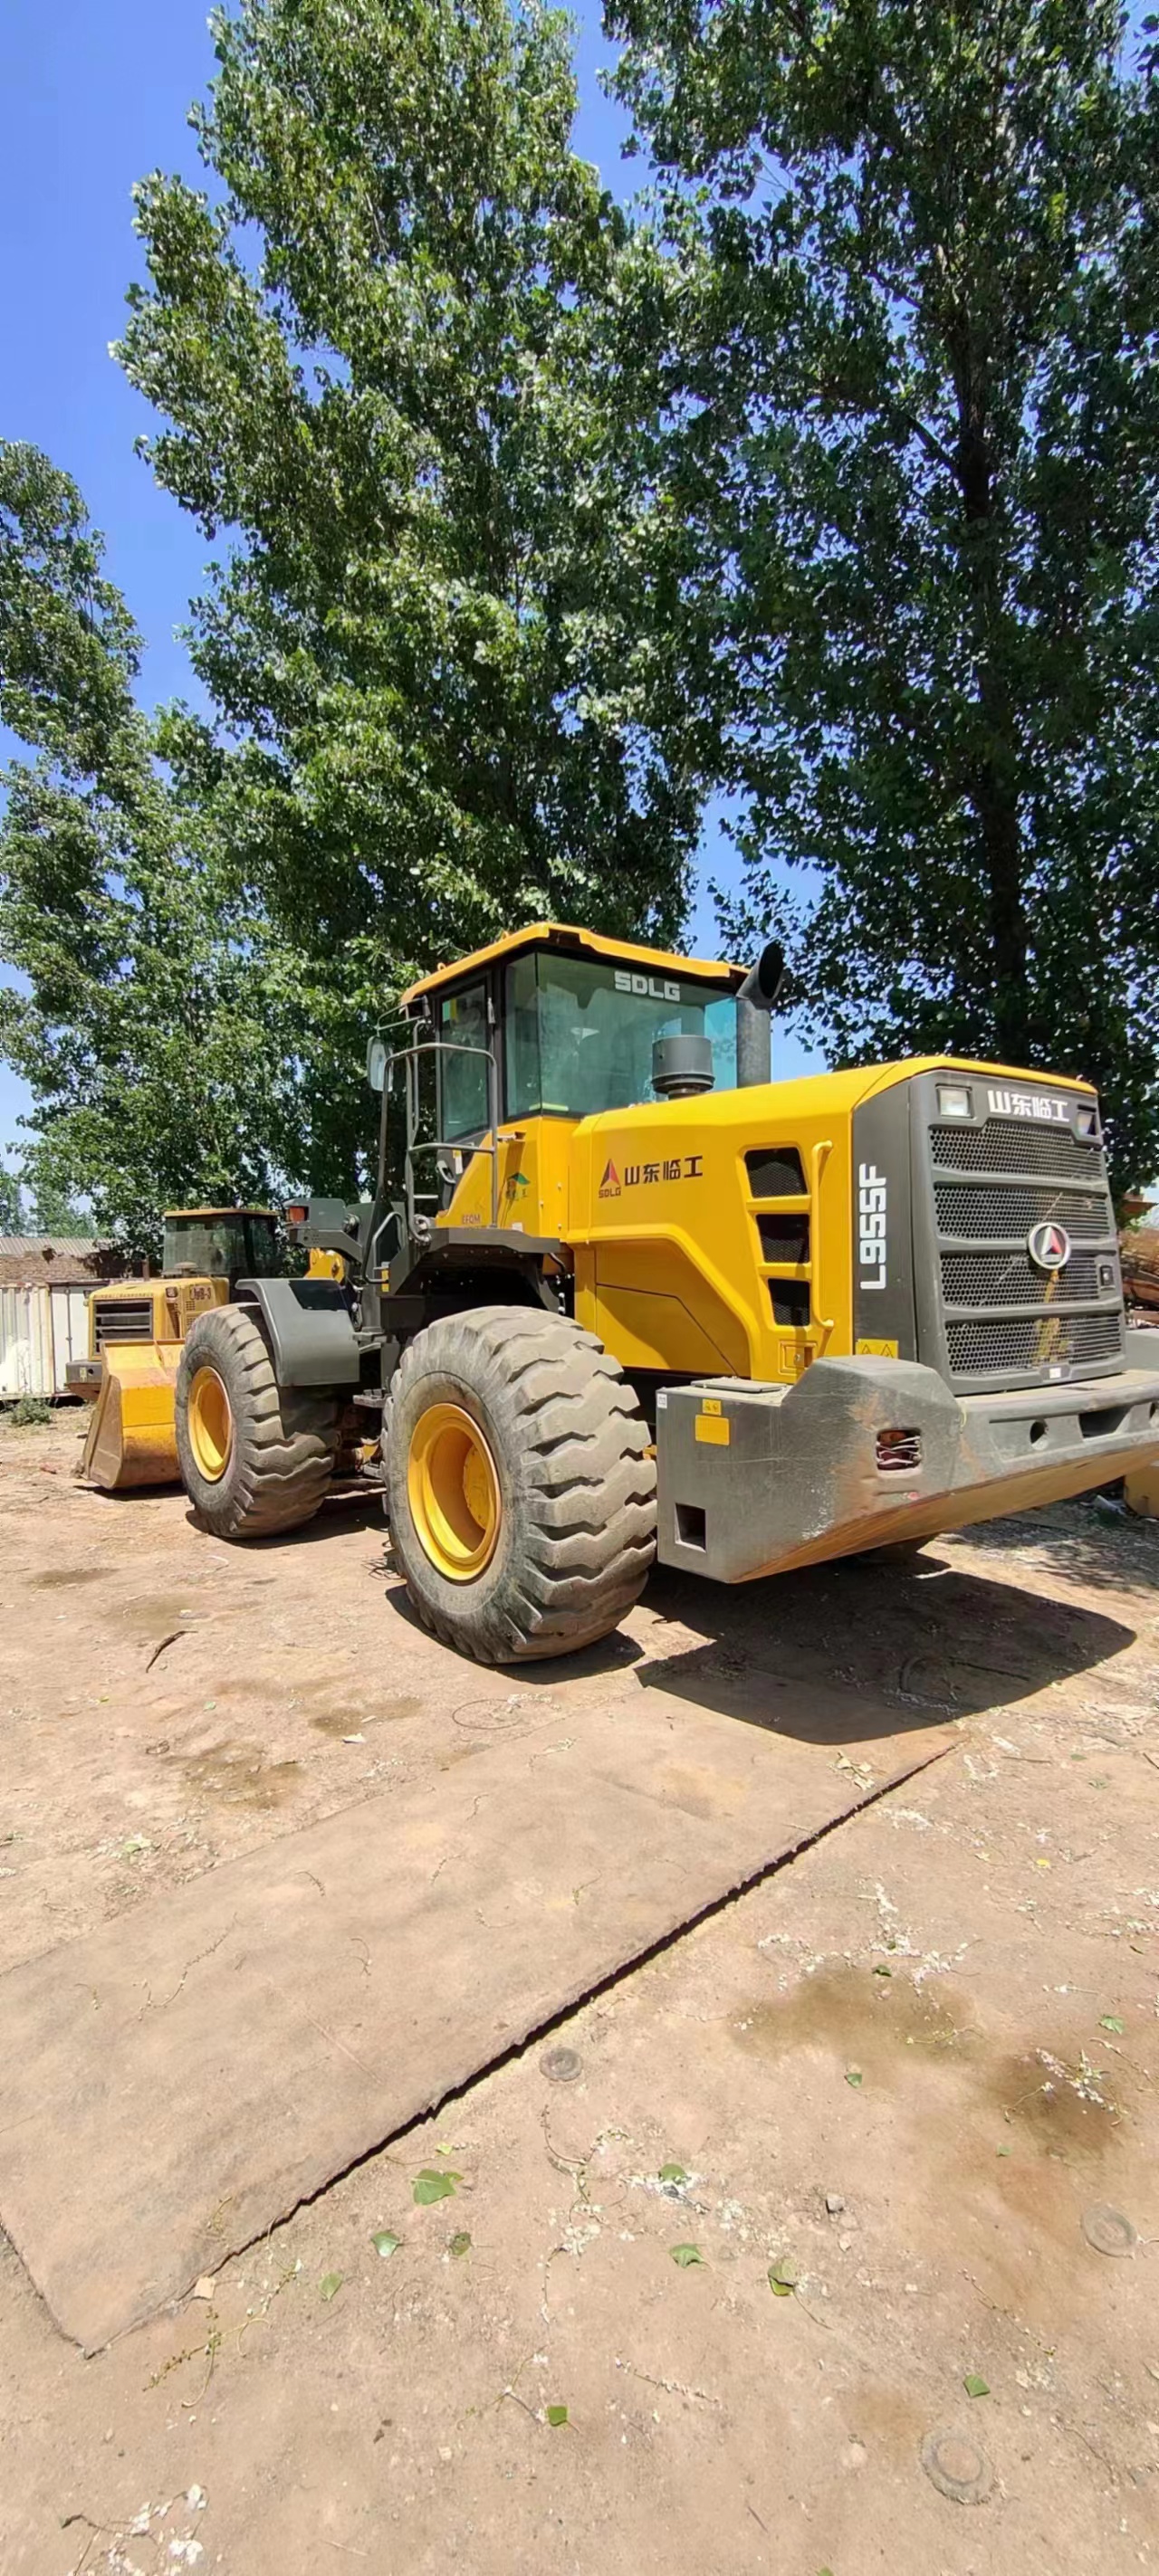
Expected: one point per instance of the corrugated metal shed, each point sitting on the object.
(25, 1343)
(41, 1330)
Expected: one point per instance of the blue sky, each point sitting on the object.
(95, 97)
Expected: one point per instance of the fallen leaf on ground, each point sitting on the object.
(853, 2075)
(783, 2279)
(330, 2287)
(460, 2242)
(685, 2255)
(673, 2173)
(385, 2242)
(557, 2414)
(429, 2186)
(974, 2386)
(1110, 2021)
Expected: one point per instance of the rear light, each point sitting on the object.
(1087, 1122)
(899, 1451)
(297, 1213)
(954, 1101)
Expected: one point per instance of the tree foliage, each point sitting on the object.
(154, 1020)
(389, 354)
(918, 441)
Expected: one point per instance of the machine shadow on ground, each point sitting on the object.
(842, 1653)
(1102, 1545)
(884, 1648)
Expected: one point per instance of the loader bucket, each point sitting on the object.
(1141, 1491)
(131, 1437)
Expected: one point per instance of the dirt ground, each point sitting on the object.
(911, 2076)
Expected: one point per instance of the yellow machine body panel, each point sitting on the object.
(670, 1268)
(659, 1210)
(172, 1304)
(535, 1169)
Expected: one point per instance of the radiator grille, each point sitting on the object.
(1013, 1145)
(124, 1319)
(1010, 1279)
(1024, 1342)
(991, 1185)
(1011, 1212)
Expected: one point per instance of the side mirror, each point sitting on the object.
(376, 1063)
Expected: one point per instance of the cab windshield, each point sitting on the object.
(227, 1243)
(579, 1033)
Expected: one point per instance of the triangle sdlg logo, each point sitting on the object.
(1049, 1246)
(610, 1184)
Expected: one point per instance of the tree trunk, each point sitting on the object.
(994, 785)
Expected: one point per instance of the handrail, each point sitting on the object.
(818, 1159)
(408, 1056)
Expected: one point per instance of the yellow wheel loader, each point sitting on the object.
(137, 1328)
(636, 1301)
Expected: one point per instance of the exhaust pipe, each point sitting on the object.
(755, 1003)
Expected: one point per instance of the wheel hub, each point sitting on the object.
(453, 1492)
(210, 1425)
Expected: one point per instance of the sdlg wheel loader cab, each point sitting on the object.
(642, 1300)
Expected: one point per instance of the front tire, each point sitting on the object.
(521, 1484)
(256, 1458)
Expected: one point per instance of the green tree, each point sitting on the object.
(55, 1213)
(917, 437)
(11, 1203)
(390, 357)
(157, 1023)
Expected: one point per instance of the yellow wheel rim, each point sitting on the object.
(453, 1491)
(210, 1425)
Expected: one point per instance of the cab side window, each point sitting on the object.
(463, 1078)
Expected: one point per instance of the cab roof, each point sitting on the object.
(171, 1213)
(565, 937)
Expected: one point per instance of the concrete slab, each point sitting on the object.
(178, 2081)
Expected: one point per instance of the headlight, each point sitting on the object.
(1087, 1122)
(954, 1101)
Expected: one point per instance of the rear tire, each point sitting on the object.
(256, 1458)
(520, 1482)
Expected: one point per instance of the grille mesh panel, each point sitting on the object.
(1010, 1279)
(1023, 1342)
(1010, 1145)
(1026, 1174)
(977, 1211)
(127, 1319)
